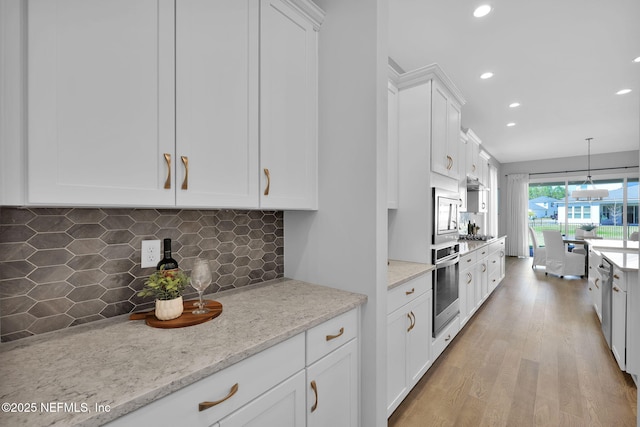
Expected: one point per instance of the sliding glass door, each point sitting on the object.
(551, 207)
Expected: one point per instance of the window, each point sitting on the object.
(615, 217)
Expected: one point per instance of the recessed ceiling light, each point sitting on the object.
(637, 59)
(514, 105)
(510, 125)
(487, 75)
(623, 92)
(482, 11)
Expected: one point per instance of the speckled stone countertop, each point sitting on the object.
(127, 364)
(467, 246)
(399, 272)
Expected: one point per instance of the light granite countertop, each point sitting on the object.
(127, 364)
(467, 246)
(399, 272)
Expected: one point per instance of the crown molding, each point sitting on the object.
(472, 135)
(424, 74)
(393, 75)
(309, 10)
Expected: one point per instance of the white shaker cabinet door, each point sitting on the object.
(100, 102)
(282, 406)
(217, 103)
(288, 108)
(398, 324)
(332, 388)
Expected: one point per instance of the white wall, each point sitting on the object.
(344, 243)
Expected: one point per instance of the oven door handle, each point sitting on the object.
(448, 262)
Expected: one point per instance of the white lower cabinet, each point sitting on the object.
(283, 406)
(332, 388)
(619, 318)
(409, 330)
(310, 379)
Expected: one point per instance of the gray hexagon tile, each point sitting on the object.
(61, 267)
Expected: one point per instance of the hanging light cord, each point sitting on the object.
(589, 160)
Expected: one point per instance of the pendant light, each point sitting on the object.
(588, 191)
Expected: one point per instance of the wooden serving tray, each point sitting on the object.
(187, 318)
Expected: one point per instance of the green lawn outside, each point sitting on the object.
(614, 232)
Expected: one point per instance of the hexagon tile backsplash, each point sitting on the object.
(67, 266)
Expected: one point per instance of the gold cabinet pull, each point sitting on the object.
(266, 190)
(185, 162)
(469, 260)
(616, 289)
(615, 276)
(315, 391)
(206, 405)
(449, 162)
(448, 337)
(167, 183)
(484, 267)
(473, 168)
(412, 320)
(411, 291)
(596, 282)
(331, 337)
(469, 278)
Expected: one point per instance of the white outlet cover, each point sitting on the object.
(150, 253)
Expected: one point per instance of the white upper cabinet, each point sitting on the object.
(473, 151)
(183, 103)
(217, 103)
(445, 130)
(100, 88)
(288, 107)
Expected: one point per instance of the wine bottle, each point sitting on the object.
(167, 263)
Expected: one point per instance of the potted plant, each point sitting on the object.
(167, 287)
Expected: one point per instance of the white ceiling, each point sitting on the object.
(563, 60)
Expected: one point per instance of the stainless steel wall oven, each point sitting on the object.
(445, 285)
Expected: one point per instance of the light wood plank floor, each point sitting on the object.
(533, 355)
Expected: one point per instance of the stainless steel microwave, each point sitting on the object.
(445, 215)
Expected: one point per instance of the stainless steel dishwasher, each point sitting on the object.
(606, 271)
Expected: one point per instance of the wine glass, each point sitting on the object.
(200, 280)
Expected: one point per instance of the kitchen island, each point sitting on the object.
(91, 374)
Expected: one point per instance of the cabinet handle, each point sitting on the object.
(449, 162)
(615, 276)
(315, 391)
(412, 320)
(167, 183)
(206, 405)
(469, 278)
(596, 282)
(616, 289)
(590, 289)
(448, 337)
(484, 267)
(501, 254)
(411, 291)
(185, 162)
(483, 252)
(473, 168)
(469, 260)
(330, 337)
(266, 190)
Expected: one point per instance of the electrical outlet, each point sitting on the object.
(150, 253)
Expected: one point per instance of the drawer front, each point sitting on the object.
(468, 260)
(253, 376)
(446, 336)
(494, 263)
(483, 252)
(331, 334)
(618, 279)
(407, 292)
(496, 246)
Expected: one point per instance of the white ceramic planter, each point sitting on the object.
(169, 309)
